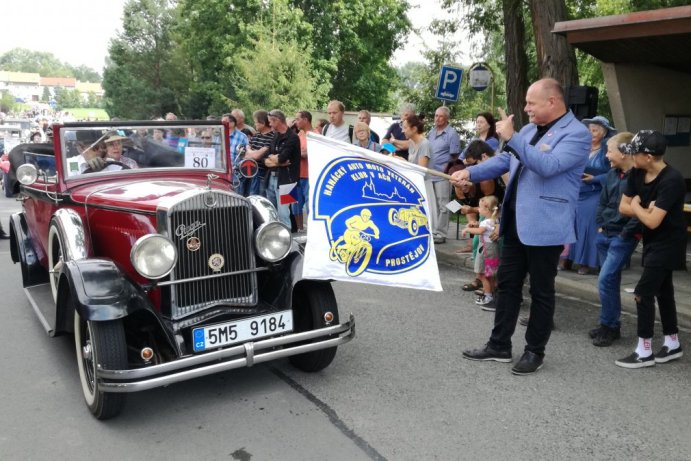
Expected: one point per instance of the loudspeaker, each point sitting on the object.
(582, 100)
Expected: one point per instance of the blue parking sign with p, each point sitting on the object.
(449, 86)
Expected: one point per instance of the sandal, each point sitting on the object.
(472, 286)
(465, 249)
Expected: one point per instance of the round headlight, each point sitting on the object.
(153, 256)
(27, 174)
(273, 241)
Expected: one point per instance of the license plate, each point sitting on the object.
(224, 334)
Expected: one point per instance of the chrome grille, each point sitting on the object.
(222, 229)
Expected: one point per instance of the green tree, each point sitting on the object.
(536, 47)
(65, 98)
(46, 94)
(142, 78)
(210, 35)
(92, 100)
(45, 64)
(85, 74)
(276, 70)
(7, 102)
(353, 42)
(419, 81)
(24, 60)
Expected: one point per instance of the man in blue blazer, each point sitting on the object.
(545, 161)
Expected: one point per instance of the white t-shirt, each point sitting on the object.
(488, 226)
(338, 132)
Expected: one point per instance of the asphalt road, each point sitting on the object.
(399, 391)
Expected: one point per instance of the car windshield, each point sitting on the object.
(142, 147)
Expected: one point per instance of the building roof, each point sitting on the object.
(66, 82)
(659, 37)
(19, 77)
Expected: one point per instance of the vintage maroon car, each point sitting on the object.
(132, 239)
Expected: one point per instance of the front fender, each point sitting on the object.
(22, 251)
(101, 291)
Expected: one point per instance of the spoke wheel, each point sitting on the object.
(393, 217)
(413, 227)
(55, 259)
(100, 343)
(358, 260)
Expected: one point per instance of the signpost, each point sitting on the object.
(449, 85)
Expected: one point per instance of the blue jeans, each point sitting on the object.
(257, 182)
(252, 186)
(273, 195)
(613, 253)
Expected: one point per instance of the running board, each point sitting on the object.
(41, 299)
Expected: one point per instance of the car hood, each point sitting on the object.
(142, 195)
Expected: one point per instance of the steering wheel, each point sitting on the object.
(108, 163)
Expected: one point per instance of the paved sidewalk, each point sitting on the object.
(584, 287)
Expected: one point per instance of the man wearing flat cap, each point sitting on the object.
(91, 151)
(654, 194)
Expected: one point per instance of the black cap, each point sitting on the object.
(88, 136)
(645, 142)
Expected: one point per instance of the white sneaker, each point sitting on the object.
(484, 300)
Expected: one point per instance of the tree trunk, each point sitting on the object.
(516, 61)
(555, 56)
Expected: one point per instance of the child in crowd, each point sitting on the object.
(487, 258)
(617, 237)
(655, 195)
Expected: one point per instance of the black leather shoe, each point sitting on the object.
(3, 235)
(595, 332)
(606, 336)
(530, 362)
(487, 353)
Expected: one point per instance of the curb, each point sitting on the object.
(581, 291)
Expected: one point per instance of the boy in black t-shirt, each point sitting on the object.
(655, 195)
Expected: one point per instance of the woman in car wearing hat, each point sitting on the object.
(114, 150)
(584, 252)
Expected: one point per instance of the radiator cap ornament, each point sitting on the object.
(216, 262)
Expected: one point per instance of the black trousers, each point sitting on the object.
(657, 283)
(518, 260)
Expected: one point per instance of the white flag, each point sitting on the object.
(369, 218)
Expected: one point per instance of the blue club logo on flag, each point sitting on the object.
(369, 220)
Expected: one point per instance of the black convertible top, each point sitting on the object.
(17, 158)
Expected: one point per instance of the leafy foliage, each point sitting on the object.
(67, 98)
(277, 70)
(6, 102)
(353, 41)
(141, 64)
(197, 58)
(45, 64)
